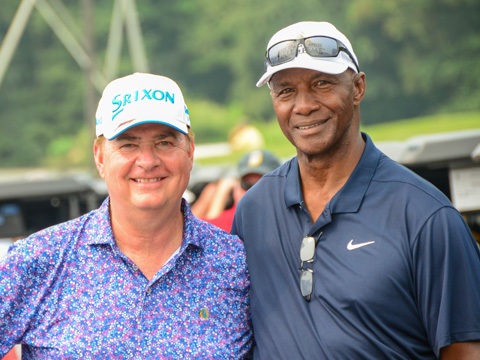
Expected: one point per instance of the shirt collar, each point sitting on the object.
(293, 189)
(191, 233)
(100, 230)
(350, 197)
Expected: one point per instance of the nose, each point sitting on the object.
(305, 102)
(147, 157)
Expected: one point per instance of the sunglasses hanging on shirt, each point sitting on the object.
(307, 255)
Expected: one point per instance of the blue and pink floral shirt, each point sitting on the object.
(67, 292)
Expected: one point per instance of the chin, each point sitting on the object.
(148, 202)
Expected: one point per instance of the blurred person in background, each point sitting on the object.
(217, 202)
(351, 255)
(140, 277)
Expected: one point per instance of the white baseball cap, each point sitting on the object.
(140, 98)
(305, 29)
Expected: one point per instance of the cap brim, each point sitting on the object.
(324, 65)
(183, 129)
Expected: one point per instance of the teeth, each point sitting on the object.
(308, 127)
(147, 180)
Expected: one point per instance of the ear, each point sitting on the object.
(99, 158)
(191, 151)
(360, 86)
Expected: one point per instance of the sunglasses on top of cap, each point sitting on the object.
(315, 46)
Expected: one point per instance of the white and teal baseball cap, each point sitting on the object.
(140, 98)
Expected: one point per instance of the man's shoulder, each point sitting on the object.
(52, 239)
(212, 238)
(37, 255)
(412, 184)
(219, 249)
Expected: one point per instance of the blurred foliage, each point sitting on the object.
(211, 122)
(399, 130)
(421, 58)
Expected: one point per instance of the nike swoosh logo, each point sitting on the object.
(352, 246)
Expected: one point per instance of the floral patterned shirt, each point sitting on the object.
(67, 292)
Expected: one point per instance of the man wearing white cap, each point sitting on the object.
(140, 277)
(351, 255)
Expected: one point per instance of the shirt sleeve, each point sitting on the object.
(234, 230)
(236, 223)
(447, 277)
(237, 322)
(21, 274)
(242, 320)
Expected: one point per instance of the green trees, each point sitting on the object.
(420, 56)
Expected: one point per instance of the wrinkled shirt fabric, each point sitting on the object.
(396, 271)
(68, 292)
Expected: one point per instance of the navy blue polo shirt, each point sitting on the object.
(396, 270)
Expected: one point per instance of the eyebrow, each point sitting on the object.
(127, 137)
(285, 83)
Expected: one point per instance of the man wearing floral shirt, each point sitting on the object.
(140, 277)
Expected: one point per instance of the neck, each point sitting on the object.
(148, 238)
(323, 176)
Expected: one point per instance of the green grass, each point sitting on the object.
(400, 130)
(404, 129)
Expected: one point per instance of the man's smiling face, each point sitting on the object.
(147, 167)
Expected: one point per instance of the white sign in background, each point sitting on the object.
(465, 188)
(4, 245)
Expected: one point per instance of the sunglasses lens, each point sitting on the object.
(321, 46)
(316, 46)
(282, 52)
(306, 283)
(307, 249)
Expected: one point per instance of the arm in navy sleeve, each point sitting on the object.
(447, 276)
